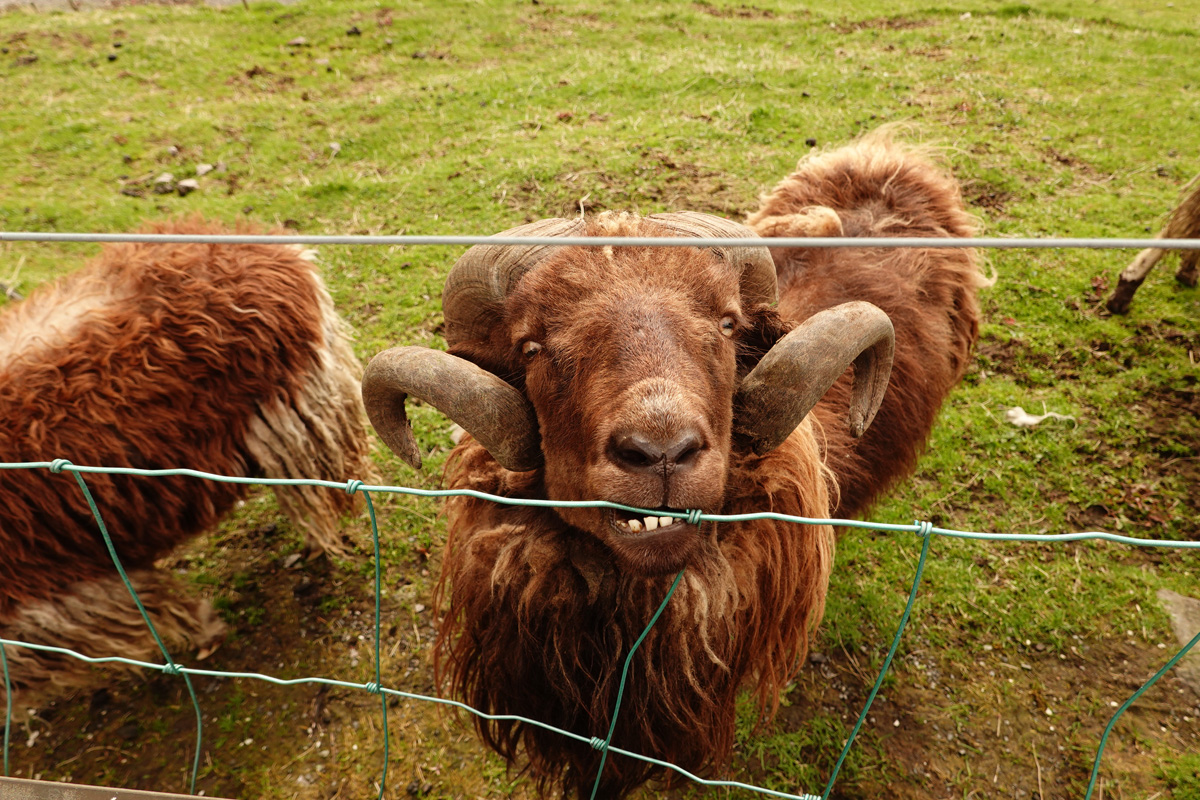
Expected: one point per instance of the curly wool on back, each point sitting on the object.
(227, 359)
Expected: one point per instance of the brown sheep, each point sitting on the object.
(1182, 223)
(664, 378)
(228, 359)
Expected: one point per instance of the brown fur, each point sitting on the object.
(225, 359)
(878, 188)
(542, 621)
(545, 605)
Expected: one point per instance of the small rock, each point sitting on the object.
(291, 560)
(817, 658)
(173, 150)
(811, 142)
(187, 186)
(354, 31)
(1184, 612)
(203, 169)
(335, 148)
(112, 56)
(299, 41)
(164, 184)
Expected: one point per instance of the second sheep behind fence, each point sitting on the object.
(227, 359)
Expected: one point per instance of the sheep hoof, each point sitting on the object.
(207, 651)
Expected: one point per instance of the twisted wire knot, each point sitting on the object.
(923, 528)
(693, 516)
(598, 744)
(353, 485)
(171, 669)
(56, 466)
(373, 688)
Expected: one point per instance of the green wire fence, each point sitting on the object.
(925, 530)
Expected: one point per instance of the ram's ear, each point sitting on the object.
(764, 328)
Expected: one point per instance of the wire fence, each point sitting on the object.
(956, 243)
(924, 530)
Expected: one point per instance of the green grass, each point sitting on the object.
(1068, 118)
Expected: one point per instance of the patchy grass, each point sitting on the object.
(1073, 118)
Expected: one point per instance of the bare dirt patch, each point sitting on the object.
(739, 12)
(659, 181)
(884, 24)
(943, 736)
(983, 195)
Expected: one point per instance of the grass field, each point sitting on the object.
(1070, 118)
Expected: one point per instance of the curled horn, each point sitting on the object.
(495, 413)
(482, 278)
(492, 411)
(754, 264)
(800, 368)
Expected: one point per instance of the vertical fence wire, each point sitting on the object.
(1108, 729)
(7, 705)
(170, 667)
(377, 686)
(602, 745)
(926, 534)
(924, 529)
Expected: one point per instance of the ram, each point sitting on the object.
(667, 379)
(228, 359)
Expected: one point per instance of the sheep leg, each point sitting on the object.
(1131, 278)
(97, 619)
(1189, 266)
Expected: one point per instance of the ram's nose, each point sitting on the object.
(641, 453)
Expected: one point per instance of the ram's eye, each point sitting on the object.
(728, 325)
(530, 349)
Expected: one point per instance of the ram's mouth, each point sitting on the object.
(627, 523)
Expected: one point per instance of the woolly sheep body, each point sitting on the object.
(227, 359)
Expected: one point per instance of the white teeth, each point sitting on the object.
(646, 523)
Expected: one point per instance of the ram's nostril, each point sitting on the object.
(635, 458)
(684, 449)
(686, 456)
(636, 452)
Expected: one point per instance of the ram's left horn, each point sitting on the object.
(800, 368)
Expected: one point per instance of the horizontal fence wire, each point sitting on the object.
(924, 529)
(998, 243)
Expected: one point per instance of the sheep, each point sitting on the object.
(224, 358)
(664, 379)
(1182, 223)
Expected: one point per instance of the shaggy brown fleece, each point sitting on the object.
(542, 615)
(223, 358)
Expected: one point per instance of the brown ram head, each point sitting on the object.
(629, 373)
